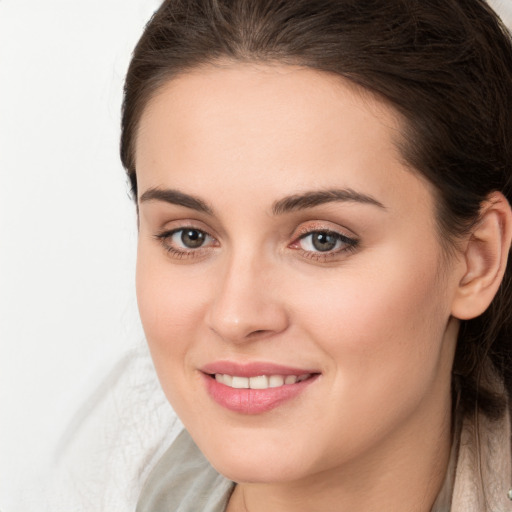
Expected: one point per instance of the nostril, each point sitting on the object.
(257, 334)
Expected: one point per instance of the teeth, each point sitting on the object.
(240, 383)
(275, 381)
(259, 382)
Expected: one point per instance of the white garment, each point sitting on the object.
(112, 444)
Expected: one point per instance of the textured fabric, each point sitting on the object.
(184, 481)
(484, 468)
(109, 448)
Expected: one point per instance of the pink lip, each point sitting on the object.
(253, 401)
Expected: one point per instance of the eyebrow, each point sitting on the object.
(176, 197)
(291, 203)
(319, 197)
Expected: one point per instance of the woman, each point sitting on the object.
(323, 190)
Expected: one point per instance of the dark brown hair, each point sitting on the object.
(445, 65)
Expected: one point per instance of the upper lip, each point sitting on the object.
(253, 369)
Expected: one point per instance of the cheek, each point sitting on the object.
(170, 313)
(381, 325)
(169, 308)
(381, 332)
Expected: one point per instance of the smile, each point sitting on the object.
(255, 388)
(260, 381)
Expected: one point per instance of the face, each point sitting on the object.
(290, 277)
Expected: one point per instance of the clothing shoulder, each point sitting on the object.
(184, 481)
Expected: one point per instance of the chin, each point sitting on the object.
(244, 472)
(261, 464)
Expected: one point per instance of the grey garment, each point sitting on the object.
(184, 481)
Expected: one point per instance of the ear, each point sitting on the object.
(485, 258)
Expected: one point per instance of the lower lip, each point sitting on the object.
(253, 401)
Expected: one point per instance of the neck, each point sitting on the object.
(405, 474)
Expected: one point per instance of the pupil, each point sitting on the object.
(192, 238)
(324, 242)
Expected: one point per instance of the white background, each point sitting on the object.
(67, 226)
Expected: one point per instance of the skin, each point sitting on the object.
(372, 433)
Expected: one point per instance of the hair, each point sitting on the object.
(445, 65)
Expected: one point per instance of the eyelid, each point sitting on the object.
(325, 227)
(178, 224)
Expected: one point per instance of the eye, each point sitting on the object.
(324, 243)
(185, 242)
(189, 238)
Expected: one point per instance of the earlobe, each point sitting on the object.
(485, 258)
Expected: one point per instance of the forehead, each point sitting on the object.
(269, 126)
(267, 101)
(283, 81)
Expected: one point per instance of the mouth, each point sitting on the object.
(255, 388)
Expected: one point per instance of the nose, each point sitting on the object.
(247, 303)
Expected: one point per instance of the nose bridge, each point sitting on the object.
(246, 302)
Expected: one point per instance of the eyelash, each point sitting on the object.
(349, 244)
